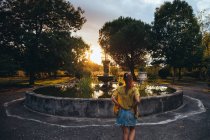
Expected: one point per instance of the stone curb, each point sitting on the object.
(98, 108)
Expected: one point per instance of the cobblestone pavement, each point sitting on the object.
(19, 123)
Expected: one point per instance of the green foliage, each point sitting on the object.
(75, 55)
(206, 65)
(82, 90)
(8, 66)
(164, 72)
(208, 72)
(194, 74)
(141, 88)
(57, 92)
(152, 69)
(126, 41)
(152, 78)
(177, 36)
(40, 32)
(141, 69)
(206, 44)
(85, 87)
(82, 73)
(152, 73)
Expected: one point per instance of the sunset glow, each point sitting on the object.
(95, 54)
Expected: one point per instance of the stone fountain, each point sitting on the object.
(106, 78)
(102, 107)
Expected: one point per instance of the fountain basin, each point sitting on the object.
(98, 108)
(105, 78)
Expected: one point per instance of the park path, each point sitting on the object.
(196, 127)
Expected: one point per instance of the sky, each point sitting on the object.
(98, 12)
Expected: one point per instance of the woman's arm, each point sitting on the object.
(137, 98)
(115, 101)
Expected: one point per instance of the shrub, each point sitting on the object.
(85, 87)
(82, 73)
(194, 74)
(141, 88)
(152, 78)
(164, 73)
(57, 92)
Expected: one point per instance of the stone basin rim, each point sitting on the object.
(98, 108)
(100, 99)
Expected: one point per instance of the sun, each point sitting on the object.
(95, 54)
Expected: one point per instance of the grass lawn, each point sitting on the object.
(21, 82)
(53, 81)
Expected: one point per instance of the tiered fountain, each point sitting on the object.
(106, 78)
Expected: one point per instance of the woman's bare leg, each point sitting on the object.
(125, 132)
(132, 133)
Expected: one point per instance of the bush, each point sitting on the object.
(208, 72)
(57, 92)
(164, 73)
(85, 87)
(152, 78)
(82, 73)
(142, 88)
(193, 74)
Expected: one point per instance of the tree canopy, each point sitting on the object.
(39, 32)
(177, 35)
(126, 41)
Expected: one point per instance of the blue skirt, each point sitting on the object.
(126, 118)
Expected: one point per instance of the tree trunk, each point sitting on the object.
(31, 78)
(180, 74)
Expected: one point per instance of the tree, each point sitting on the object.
(33, 20)
(204, 21)
(126, 41)
(177, 35)
(8, 66)
(75, 55)
(206, 43)
(63, 52)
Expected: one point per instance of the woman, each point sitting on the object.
(126, 98)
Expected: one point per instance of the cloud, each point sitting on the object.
(155, 2)
(203, 4)
(97, 12)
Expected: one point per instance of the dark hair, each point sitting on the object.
(125, 76)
